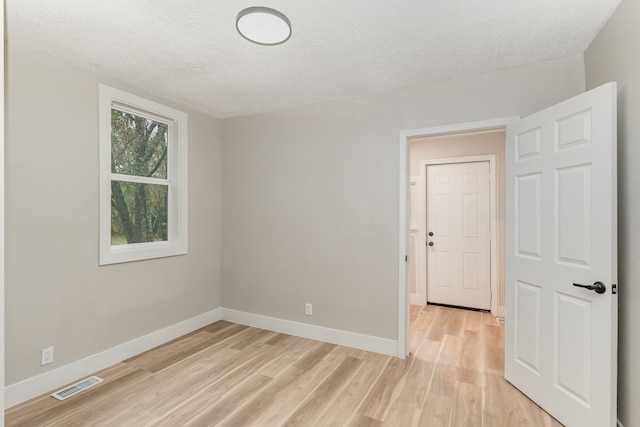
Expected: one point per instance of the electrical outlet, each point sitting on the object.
(308, 309)
(47, 355)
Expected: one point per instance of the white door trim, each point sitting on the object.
(403, 185)
(419, 263)
(2, 249)
(493, 218)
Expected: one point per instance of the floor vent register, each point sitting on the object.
(76, 388)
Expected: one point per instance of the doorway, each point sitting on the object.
(442, 138)
(443, 270)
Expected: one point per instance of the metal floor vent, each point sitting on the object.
(76, 388)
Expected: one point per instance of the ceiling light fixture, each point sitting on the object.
(263, 25)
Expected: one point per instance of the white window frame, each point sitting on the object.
(177, 174)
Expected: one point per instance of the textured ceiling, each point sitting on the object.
(189, 51)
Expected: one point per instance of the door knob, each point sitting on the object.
(430, 243)
(599, 287)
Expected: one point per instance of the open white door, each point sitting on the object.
(561, 339)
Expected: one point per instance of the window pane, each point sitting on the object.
(138, 145)
(138, 213)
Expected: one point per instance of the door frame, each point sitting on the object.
(493, 222)
(403, 211)
(2, 237)
(417, 218)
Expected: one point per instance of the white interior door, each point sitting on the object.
(561, 340)
(458, 218)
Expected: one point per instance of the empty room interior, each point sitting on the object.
(411, 213)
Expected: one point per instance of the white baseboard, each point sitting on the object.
(501, 311)
(416, 299)
(619, 423)
(320, 333)
(35, 386)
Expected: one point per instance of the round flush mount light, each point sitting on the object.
(263, 25)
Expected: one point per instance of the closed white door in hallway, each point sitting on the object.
(458, 231)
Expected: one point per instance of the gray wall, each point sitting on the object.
(613, 56)
(310, 208)
(55, 292)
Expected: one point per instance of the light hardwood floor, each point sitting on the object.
(232, 375)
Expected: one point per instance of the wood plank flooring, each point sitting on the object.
(232, 375)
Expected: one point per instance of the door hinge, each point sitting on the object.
(614, 289)
(406, 258)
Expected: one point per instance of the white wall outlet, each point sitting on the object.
(47, 355)
(308, 309)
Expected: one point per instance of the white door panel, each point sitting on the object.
(561, 340)
(458, 215)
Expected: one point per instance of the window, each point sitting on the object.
(143, 178)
